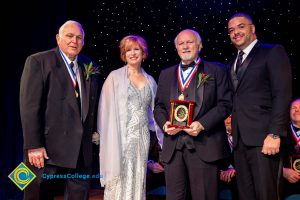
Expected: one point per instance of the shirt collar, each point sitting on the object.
(249, 47)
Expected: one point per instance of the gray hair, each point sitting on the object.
(192, 31)
(70, 22)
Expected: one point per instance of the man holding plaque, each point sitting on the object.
(291, 169)
(193, 99)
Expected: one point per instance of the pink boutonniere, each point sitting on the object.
(202, 78)
(90, 70)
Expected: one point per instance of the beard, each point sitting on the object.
(188, 57)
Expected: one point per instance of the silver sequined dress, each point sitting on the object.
(131, 185)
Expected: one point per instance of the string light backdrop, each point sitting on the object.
(159, 21)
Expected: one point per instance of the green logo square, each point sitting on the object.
(22, 176)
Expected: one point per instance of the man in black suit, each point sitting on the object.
(262, 84)
(190, 154)
(227, 171)
(58, 97)
(291, 171)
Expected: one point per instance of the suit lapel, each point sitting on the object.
(198, 92)
(246, 63)
(85, 90)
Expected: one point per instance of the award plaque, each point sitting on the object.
(295, 162)
(295, 158)
(181, 113)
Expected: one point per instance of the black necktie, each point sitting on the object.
(75, 72)
(239, 61)
(77, 92)
(72, 67)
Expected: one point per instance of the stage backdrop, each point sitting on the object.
(159, 22)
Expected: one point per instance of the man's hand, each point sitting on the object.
(291, 175)
(96, 138)
(195, 129)
(227, 175)
(171, 130)
(271, 145)
(36, 157)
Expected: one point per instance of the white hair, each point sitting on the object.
(192, 31)
(70, 22)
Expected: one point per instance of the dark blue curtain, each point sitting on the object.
(27, 29)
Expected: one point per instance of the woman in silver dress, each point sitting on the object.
(124, 119)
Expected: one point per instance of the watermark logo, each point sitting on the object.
(22, 176)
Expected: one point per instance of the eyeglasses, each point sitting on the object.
(239, 27)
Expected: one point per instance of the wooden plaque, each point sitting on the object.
(181, 113)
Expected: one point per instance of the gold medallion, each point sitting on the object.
(181, 113)
(181, 97)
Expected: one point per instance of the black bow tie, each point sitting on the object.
(296, 129)
(185, 67)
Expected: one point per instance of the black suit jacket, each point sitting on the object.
(262, 94)
(289, 150)
(50, 114)
(213, 105)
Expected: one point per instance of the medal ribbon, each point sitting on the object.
(185, 82)
(295, 134)
(71, 72)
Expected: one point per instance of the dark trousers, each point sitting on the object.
(290, 188)
(74, 183)
(188, 177)
(154, 180)
(258, 175)
(231, 186)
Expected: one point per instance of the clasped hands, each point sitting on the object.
(227, 175)
(291, 175)
(194, 130)
(155, 167)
